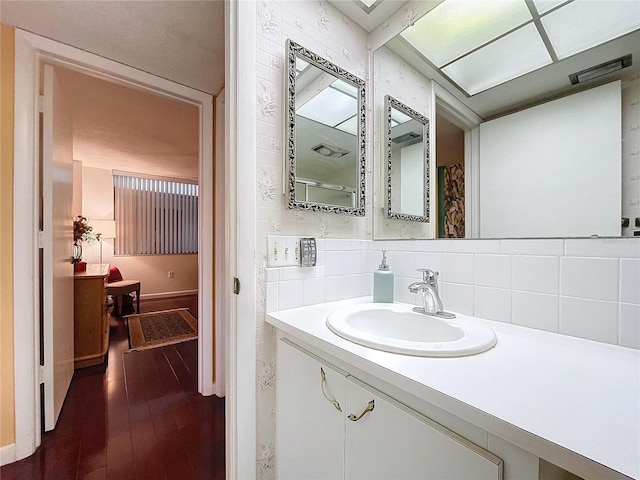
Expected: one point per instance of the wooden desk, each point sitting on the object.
(91, 320)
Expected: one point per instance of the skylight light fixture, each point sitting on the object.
(399, 117)
(456, 27)
(516, 54)
(480, 44)
(583, 24)
(600, 70)
(543, 6)
(329, 107)
(350, 125)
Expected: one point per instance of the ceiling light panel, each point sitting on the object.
(511, 56)
(301, 64)
(399, 116)
(346, 88)
(583, 24)
(349, 126)
(543, 6)
(456, 27)
(329, 107)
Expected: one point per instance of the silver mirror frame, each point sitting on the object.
(295, 50)
(389, 103)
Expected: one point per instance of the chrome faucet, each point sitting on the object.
(431, 302)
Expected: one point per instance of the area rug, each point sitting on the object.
(157, 329)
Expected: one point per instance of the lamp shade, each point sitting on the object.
(106, 228)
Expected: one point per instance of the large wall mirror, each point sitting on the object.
(407, 141)
(326, 135)
(544, 152)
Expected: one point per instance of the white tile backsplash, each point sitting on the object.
(313, 291)
(272, 297)
(290, 294)
(432, 261)
(534, 310)
(530, 283)
(603, 247)
(351, 286)
(630, 280)
(457, 297)
(334, 262)
(492, 271)
(592, 319)
(532, 247)
(333, 289)
(492, 303)
(629, 325)
(457, 268)
(535, 274)
(595, 278)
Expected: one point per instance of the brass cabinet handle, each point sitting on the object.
(370, 406)
(330, 400)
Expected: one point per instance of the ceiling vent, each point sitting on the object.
(600, 70)
(405, 137)
(330, 150)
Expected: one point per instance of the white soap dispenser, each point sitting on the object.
(383, 282)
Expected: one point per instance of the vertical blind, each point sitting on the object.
(154, 216)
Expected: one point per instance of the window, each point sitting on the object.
(155, 216)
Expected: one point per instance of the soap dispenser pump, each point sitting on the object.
(383, 282)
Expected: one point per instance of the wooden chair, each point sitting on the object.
(118, 288)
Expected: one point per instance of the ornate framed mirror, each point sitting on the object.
(407, 153)
(325, 135)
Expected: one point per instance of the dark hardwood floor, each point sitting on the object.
(139, 416)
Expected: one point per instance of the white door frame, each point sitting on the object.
(462, 116)
(30, 51)
(240, 152)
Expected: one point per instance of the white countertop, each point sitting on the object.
(566, 399)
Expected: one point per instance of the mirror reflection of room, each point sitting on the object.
(408, 163)
(450, 180)
(532, 114)
(325, 155)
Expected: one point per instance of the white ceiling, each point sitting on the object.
(182, 41)
(541, 85)
(368, 18)
(120, 128)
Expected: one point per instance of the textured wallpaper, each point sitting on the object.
(326, 31)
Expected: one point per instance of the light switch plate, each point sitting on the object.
(283, 251)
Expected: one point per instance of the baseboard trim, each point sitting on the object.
(7, 454)
(180, 293)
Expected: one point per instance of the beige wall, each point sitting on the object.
(7, 402)
(449, 143)
(76, 203)
(151, 270)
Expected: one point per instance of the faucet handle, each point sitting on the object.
(429, 275)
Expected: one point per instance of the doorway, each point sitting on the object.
(456, 126)
(451, 176)
(31, 52)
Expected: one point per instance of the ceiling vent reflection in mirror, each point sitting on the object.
(325, 127)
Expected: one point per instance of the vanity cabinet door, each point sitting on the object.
(393, 441)
(309, 428)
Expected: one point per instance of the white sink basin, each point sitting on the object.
(396, 328)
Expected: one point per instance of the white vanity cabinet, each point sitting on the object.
(316, 440)
(309, 429)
